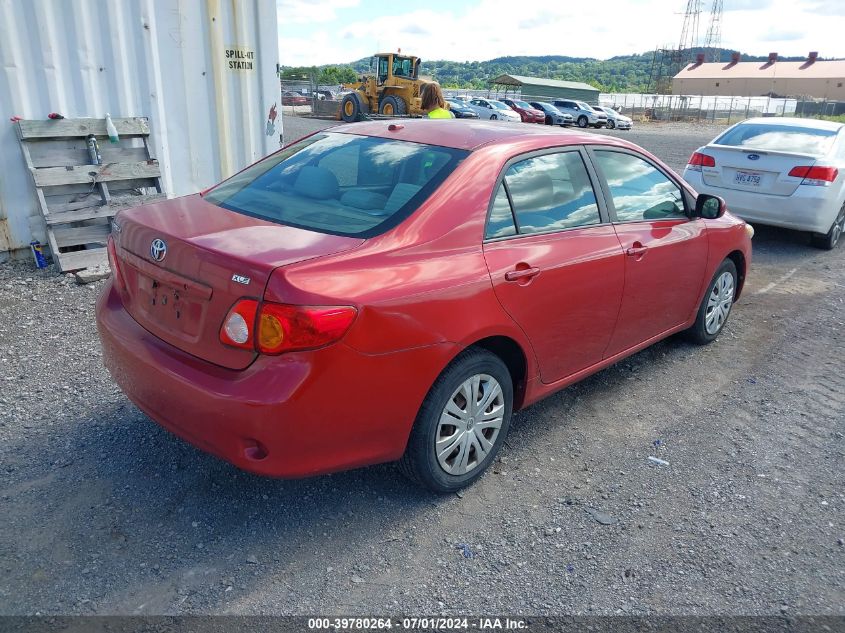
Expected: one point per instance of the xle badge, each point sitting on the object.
(241, 279)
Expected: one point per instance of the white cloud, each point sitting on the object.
(490, 28)
(308, 11)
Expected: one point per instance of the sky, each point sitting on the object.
(315, 32)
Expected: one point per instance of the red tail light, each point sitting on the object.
(699, 160)
(815, 175)
(275, 328)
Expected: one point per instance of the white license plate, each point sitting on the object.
(749, 178)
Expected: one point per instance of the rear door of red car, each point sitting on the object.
(555, 261)
(665, 250)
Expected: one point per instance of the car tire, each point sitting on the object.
(493, 117)
(829, 240)
(611, 125)
(715, 307)
(475, 372)
(392, 106)
(582, 121)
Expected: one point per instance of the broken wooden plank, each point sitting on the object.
(89, 174)
(31, 129)
(44, 155)
(79, 235)
(101, 211)
(91, 201)
(89, 213)
(78, 260)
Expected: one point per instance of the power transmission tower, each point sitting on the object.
(713, 41)
(667, 62)
(689, 31)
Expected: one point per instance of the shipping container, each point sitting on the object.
(205, 72)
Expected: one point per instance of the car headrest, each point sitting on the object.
(317, 183)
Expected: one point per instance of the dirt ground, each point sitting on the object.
(102, 511)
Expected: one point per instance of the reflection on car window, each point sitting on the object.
(500, 223)
(549, 193)
(783, 138)
(342, 184)
(639, 191)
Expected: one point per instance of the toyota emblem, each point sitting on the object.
(158, 249)
(754, 157)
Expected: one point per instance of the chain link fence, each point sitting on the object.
(306, 98)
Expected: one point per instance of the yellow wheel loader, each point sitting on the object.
(393, 89)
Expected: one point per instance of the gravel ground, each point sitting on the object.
(104, 512)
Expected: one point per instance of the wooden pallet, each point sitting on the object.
(78, 199)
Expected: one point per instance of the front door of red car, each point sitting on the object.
(665, 250)
(556, 263)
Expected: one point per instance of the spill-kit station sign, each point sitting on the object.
(240, 58)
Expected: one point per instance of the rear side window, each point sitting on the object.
(542, 194)
(342, 184)
(781, 138)
(638, 189)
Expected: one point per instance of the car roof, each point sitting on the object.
(470, 134)
(795, 122)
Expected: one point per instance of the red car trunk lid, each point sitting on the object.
(212, 258)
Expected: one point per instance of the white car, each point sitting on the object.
(780, 171)
(616, 120)
(493, 110)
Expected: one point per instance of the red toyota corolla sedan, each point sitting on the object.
(380, 292)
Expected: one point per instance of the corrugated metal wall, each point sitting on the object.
(164, 59)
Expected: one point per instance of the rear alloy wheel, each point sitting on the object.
(829, 241)
(391, 106)
(610, 125)
(582, 121)
(461, 424)
(716, 305)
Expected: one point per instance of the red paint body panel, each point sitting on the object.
(664, 284)
(184, 298)
(424, 290)
(282, 402)
(570, 308)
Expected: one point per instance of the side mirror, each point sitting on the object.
(710, 207)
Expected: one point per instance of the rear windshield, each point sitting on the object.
(779, 138)
(343, 184)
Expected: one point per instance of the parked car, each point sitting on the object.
(290, 98)
(553, 116)
(493, 110)
(527, 112)
(461, 110)
(784, 172)
(583, 113)
(380, 292)
(615, 119)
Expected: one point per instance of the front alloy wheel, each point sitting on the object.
(582, 121)
(716, 305)
(719, 303)
(461, 424)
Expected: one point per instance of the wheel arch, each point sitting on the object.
(515, 359)
(738, 258)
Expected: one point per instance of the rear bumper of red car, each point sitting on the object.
(293, 415)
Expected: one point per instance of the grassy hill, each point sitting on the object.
(627, 73)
